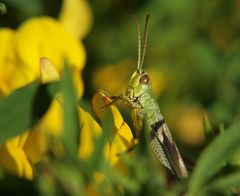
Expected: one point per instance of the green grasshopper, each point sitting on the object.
(139, 97)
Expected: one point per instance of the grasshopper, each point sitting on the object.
(139, 97)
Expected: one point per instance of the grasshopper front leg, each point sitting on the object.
(137, 113)
(125, 100)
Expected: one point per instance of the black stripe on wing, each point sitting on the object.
(173, 156)
(155, 127)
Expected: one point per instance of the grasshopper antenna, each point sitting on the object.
(145, 41)
(139, 42)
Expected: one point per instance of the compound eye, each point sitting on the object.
(144, 79)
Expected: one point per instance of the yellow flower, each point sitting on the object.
(20, 158)
(36, 144)
(38, 37)
(20, 52)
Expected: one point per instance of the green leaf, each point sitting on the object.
(24, 108)
(209, 134)
(221, 128)
(27, 8)
(96, 159)
(71, 135)
(214, 156)
(226, 183)
(3, 9)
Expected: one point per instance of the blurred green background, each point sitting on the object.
(192, 54)
(193, 46)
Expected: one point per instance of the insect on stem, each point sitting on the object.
(139, 97)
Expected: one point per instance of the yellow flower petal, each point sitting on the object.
(76, 17)
(121, 143)
(7, 42)
(51, 122)
(7, 59)
(21, 139)
(14, 159)
(100, 99)
(74, 52)
(36, 145)
(90, 130)
(48, 71)
(77, 81)
(46, 37)
(20, 76)
(122, 136)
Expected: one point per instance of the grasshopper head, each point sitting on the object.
(139, 83)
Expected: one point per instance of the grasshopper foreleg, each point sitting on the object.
(124, 101)
(137, 112)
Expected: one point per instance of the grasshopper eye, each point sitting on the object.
(144, 79)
